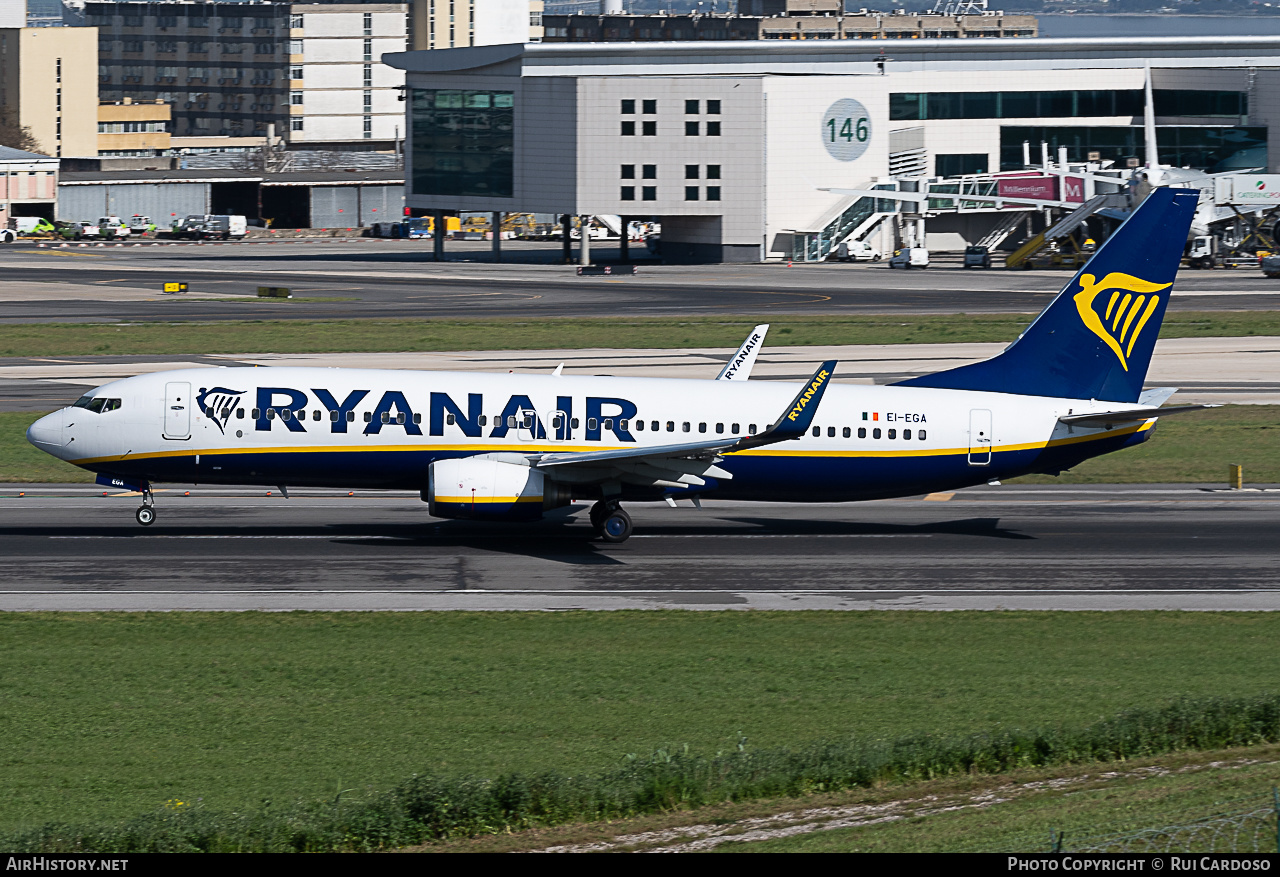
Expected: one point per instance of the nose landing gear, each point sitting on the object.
(146, 515)
(610, 521)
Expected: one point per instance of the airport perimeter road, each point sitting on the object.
(1129, 547)
(378, 278)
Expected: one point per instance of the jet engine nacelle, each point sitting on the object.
(491, 488)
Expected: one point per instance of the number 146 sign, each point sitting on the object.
(846, 129)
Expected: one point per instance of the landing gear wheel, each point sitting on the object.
(146, 515)
(616, 527)
(598, 513)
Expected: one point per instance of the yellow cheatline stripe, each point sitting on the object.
(538, 449)
(483, 500)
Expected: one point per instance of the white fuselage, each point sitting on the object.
(383, 428)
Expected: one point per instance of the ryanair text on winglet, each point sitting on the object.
(818, 381)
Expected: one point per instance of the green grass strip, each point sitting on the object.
(1187, 448)
(377, 335)
(425, 808)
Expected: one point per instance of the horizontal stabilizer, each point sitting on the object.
(1107, 419)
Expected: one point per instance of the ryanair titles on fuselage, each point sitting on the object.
(287, 406)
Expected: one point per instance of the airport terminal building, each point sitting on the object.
(731, 144)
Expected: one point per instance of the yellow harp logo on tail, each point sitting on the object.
(1131, 304)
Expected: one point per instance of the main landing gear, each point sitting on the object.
(146, 515)
(610, 522)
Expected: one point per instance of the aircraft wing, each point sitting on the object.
(1107, 419)
(739, 366)
(683, 464)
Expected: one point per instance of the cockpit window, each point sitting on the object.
(97, 404)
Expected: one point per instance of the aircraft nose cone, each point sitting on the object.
(46, 433)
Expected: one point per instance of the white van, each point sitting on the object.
(857, 251)
(910, 257)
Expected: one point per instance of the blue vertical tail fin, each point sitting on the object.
(1095, 339)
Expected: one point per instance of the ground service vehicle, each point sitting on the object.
(1270, 265)
(211, 226)
(112, 227)
(1202, 252)
(31, 227)
(910, 257)
(141, 225)
(404, 228)
(977, 257)
(857, 251)
(505, 447)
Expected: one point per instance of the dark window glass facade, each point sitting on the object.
(957, 164)
(1064, 104)
(463, 142)
(1214, 149)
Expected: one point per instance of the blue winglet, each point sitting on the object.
(795, 420)
(1095, 339)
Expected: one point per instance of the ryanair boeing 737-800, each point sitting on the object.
(507, 447)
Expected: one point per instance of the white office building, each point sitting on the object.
(731, 144)
(340, 94)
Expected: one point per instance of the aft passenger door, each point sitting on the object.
(979, 437)
(177, 411)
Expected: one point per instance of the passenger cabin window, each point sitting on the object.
(450, 419)
(639, 425)
(685, 426)
(573, 424)
(333, 416)
(702, 427)
(893, 433)
(875, 433)
(671, 426)
(653, 425)
(591, 423)
(920, 434)
(239, 414)
(368, 417)
(751, 429)
(351, 417)
(847, 432)
(315, 415)
(483, 419)
(906, 434)
(831, 432)
(719, 428)
(817, 432)
(735, 429)
(862, 432)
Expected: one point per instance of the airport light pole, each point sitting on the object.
(496, 224)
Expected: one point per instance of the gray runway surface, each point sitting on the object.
(1150, 547)
(374, 278)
